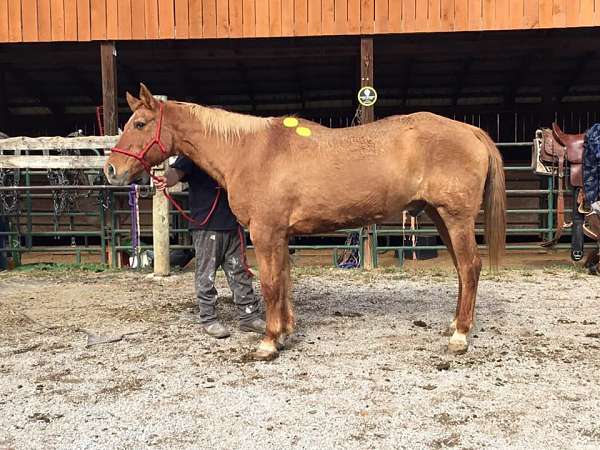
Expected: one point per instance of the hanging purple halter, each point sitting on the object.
(134, 195)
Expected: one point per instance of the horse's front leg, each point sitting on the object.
(273, 263)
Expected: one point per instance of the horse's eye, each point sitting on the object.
(139, 125)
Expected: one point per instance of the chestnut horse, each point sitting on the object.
(287, 176)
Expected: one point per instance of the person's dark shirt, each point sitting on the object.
(202, 193)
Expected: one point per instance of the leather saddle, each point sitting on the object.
(573, 146)
(557, 153)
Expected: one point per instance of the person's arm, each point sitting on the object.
(171, 178)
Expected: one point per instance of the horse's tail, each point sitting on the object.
(494, 202)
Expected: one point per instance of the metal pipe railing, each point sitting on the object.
(110, 234)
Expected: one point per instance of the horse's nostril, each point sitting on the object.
(111, 171)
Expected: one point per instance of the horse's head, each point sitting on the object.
(147, 140)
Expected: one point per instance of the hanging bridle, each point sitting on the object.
(148, 168)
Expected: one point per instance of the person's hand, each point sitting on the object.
(160, 183)
(596, 207)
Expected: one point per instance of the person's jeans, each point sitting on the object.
(223, 249)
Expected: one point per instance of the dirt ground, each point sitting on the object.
(366, 368)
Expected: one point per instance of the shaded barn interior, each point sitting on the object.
(53, 89)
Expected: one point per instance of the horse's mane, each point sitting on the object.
(226, 124)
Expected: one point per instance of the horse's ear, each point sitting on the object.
(147, 98)
(133, 102)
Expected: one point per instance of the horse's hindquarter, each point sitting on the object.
(456, 162)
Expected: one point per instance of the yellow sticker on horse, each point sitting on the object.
(290, 122)
(303, 131)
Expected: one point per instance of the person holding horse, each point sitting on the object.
(218, 242)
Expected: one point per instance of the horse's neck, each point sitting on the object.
(209, 152)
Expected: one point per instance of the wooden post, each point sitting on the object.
(366, 75)
(108, 62)
(108, 56)
(160, 229)
(160, 223)
(367, 116)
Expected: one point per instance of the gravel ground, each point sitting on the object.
(367, 367)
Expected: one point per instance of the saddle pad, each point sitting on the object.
(539, 166)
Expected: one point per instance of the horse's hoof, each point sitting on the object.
(264, 355)
(458, 344)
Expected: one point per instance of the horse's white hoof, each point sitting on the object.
(458, 343)
(266, 352)
(264, 355)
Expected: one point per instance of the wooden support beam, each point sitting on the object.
(366, 75)
(367, 115)
(108, 57)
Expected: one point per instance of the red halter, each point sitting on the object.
(148, 169)
(149, 145)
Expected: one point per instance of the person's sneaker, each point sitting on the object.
(216, 330)
(255, 325)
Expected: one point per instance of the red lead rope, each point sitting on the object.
(186, 216)
(189, 218)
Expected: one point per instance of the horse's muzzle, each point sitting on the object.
(115, 178)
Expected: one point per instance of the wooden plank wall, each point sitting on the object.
(84, 20)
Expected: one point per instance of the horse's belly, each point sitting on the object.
(321, 219)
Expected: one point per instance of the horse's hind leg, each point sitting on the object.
(461, 231)
(443, 231)
(273, 262)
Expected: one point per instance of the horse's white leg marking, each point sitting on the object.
(458, 343)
